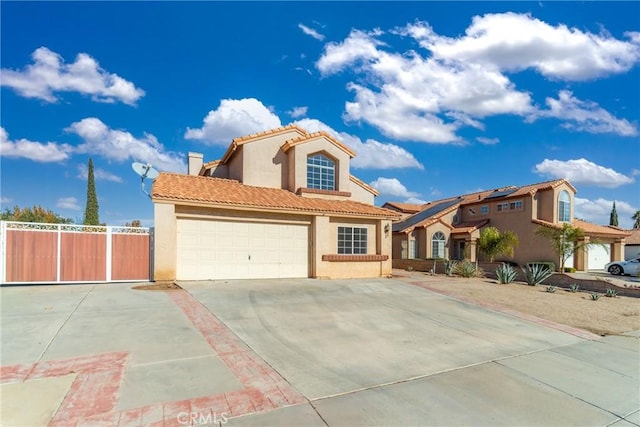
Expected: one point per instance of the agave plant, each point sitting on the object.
(574, 287)
(595, 296)
(610, 292)
(535, 273)
(449, 266)
(505, 274)
(551, 289)
(465, 269)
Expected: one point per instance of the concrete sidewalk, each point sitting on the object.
(299, 352)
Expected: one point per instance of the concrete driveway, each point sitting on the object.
(301, 352)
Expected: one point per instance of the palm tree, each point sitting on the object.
(494, 243)
(566, 241)
(636, 218)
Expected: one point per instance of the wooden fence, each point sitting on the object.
(66, 253)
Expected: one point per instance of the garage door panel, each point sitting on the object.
(598, 257)
(234, 250)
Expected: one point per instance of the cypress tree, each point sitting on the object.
(613, 218)
(91, 209)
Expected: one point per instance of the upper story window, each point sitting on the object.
(321, 172)
(502, 207)
(516, 205)
(564, 206)
(484, 210)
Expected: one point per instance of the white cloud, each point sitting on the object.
(598, 211)
(5, 200)
(49, 74)
(584, 116)
(370, 154)
(98, 174)
(392, 187)
(232, 119)
(120, 146)
(515, 42)
(415, 201)
(68, 203)
(429, 94)
(582, 171)
(311, 32)
(36, 151)
(297, 112)
(487, 141)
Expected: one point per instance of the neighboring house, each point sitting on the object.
(449, 228)
(632, 244)
(278, 204)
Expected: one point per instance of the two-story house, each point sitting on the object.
(280, 203)
(449, 228)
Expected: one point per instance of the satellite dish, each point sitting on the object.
(144, 171)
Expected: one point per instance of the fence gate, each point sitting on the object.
(67, 253)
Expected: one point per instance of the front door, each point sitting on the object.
(459, 248)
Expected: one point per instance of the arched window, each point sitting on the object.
(321, 172)
(564, 206)
(437, 245)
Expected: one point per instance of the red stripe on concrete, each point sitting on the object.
(581, 333)
(265, 388)
(14, 373)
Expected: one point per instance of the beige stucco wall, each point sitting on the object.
(219, 171)
(360, 194)
(298, 157)
(164, 242)
(325, 235)
(235, 166)
(265, 165)
(323, 239)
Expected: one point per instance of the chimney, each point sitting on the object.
(195, 163)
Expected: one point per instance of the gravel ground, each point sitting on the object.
(605, 316)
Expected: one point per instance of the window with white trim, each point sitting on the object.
(352, 240)
(413, 249)
(502, 207)
(564, 206)
(321, 172)
(484, 210)
(437, 245)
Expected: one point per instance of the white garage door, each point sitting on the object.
(598, 257)
(240, 250)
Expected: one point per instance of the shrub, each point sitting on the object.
(449, 266)
(569, 270)
(409, 268)
(574, 287)
(610, 292)
(536, 273)
(595, 296)
(550, 265)
(551, 289)
(465, 269)
(506, 274)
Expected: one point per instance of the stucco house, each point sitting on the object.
(278, 204)
(449, 228)
(632, 244)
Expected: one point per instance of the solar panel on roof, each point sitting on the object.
(497, 194)
(422, 215)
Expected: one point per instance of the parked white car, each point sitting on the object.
(630, 266)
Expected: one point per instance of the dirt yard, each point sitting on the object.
(606, 316)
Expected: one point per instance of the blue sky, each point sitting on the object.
(436, 98)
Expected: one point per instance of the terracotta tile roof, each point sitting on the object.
(364, 185)
(634, 238)
(254, 136)
(307, 137)
(468, 227)
(589, 228)
(244, 139)
(404, 207)
(219, 192)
